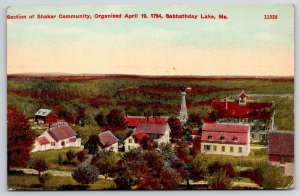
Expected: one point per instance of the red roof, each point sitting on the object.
(61, 132)
(139, 135)
(42, 140)
(152, 128)
(233, 109)
(107, 138)
(133, 121)
(281, 143)
(225, 133)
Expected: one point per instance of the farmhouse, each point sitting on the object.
(225, 139)
(281, 150)
(108, 142)
(133, 141)
(159, 131)
(45, 116)
(57, 137)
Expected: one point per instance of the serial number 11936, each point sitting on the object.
(271, 17)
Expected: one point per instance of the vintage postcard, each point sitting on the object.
(165, 97)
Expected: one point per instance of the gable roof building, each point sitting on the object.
(281, 150)
(45, 116)
(57, 137)
(225, 138)
(61, 132)
(108, 141)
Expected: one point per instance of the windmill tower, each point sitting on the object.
(183, 116)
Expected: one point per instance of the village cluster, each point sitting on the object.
(239, 122)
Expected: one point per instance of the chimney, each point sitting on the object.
(226, 103)
(147, 119)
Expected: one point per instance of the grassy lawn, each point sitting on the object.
(243, 183)
(51, 157)
(54, 182)
(287, 181)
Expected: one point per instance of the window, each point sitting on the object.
(234, 138)
(128, 147)
(52, 143)
(130, 140)
(62, 143)
(222, 138)
(215, 148)
(209, 137)
(223, 148)
(231, 148)
(240, 150)
(207, 147)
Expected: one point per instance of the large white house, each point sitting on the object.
(225, 139)
(57, 137)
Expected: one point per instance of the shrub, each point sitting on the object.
(272, 177)
(85, 173)
(81, 156)
(40, 165)
(217, 166)
(219, 180)
(70, 155)
(256, 175)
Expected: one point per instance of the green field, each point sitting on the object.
(137, 95)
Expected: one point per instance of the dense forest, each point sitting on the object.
(83, 97)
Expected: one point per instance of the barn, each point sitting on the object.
(45, 116)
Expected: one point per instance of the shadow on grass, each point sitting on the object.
(73, 187)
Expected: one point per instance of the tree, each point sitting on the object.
(217, 166)
(100, 119)
(85, 173)
(169, 179)
(219, 180)
(198, 168)
(147, 143)
(115, 120)
(144, 166)
(81, 156)
(106, 162)
(123, 180)
(182, 152)
(92, 145)
(70, 155)
(40, 166)
(20, 138)
(175, 126)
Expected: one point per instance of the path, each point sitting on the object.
(52, 172)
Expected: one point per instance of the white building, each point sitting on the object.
(108, 141)
(225, 139)
(57, 137)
